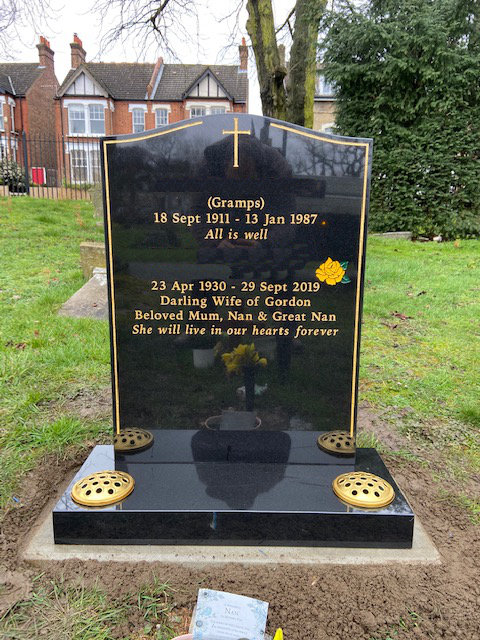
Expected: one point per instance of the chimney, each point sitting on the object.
(78, 52)
(153, 79)
(243, 50)
(45, 54)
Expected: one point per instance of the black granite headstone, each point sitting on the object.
(235, 258)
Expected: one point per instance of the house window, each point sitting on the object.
(79, 167)
(95, 173)
(217, 110)
(86, 119)
(76, 118)
(85, 164)
(197, 112)
(3, 113)
(323, 88)
(138, 120)
(12, 118)
(161, 117)
(96, 114)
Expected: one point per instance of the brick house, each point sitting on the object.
(27, 93)
(324, 105)
(102, 98)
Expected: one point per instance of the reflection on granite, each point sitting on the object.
(308, 378)
(214, 500)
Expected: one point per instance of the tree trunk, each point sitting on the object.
(271, 72)
(303, 61)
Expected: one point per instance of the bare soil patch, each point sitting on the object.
(88, 404)
(334, 602)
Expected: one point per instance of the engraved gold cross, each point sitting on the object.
(236, 132)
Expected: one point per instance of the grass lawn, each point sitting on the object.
(419, 344)
(419, 359)
(44, 358)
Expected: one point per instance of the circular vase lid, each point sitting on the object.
(102, 488)
(132, 439)
(338, 442)
(362, 489)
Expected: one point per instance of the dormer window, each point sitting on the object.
(138, 120)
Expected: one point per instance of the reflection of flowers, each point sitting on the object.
(242, 357)
(332, 272)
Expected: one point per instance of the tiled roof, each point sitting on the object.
(129, 80)
(22, 75)
(5, 84)
(177, 78)
(122, 80)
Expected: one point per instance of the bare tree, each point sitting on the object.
(17, 14)
(286, 91)
(138, 20)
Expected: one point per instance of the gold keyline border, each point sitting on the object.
(110, 251)
(360, 251)
(366, 145)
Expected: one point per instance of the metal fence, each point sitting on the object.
(63, 167)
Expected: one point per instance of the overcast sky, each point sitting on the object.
(210, 38)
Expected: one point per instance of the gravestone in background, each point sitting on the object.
(235, 257)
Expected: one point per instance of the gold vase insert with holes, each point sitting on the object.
(102, 488)
(340, 443)
(132, 440)
(364, 490)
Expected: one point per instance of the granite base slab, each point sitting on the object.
(233, 503)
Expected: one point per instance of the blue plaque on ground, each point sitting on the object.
(235, 260)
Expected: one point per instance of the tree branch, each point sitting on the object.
(286, 21)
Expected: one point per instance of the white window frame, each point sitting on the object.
(83, 105)
(163, 110)
(92, 171)
(83, 177)
(198, 107)
(4, 101)
(101, 111)
(207, 105)
(136, 111)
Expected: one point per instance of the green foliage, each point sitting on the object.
(12, 175)
(408, 75)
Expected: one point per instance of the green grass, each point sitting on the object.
(428, 362)
(44, 358)
(58, 611)
(419, 368)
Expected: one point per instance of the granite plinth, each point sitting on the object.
(213, 495)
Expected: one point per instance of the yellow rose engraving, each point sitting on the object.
(330, 272)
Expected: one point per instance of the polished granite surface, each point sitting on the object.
(224, 502)
(197, 244)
